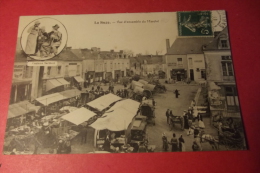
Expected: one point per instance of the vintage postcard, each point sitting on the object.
(123, 83)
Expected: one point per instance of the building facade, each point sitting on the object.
(222, 96)
(185, 58)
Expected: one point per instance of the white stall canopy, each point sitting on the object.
(103, 102)
(129, 105)
(79, 116)
(117, 120)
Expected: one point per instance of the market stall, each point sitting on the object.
(103, 102)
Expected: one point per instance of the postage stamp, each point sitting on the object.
(196, 23)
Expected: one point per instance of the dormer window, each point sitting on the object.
(224, 43)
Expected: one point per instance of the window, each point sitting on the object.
(59, 68)
(66, 70)
(232, 98)
(203, 74)
(227, 67)
(77, 69)
(48, 70)
(179, 61)
(190, 61)
(224, 43)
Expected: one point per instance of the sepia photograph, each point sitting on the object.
(124, 83)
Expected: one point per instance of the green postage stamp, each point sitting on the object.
(195, 23)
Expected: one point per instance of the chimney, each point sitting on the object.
(68, 48)
(112, 50)
(167, 44)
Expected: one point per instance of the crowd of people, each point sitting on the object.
(192, 121)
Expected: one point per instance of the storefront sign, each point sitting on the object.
(172, 64)
(18, 71)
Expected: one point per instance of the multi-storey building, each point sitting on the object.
(222, 95)
(185, 58)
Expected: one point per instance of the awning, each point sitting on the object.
(70, 93)
(129, 105)
(149, 87)
(103, 101)
(79, 116)
(78, 79)
(21, 108)
(213, 86)
(116, 120)
(51, 98)
(136, 84)
(143, 81)
(63, 81)
(52, 83)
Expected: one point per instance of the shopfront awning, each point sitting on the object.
(63, 81)
(51, 98)
(21, 108)
(79, 116)
(78, 79)
(70, 93)
(52, 83)
(103, 102)
(117, 120)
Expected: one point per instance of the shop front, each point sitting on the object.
(117, 75)
(99, 76)
(178, 74)
(89, 77)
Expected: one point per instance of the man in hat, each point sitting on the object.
(56, 38)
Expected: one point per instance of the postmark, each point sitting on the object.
(196, 23)
(43, 38)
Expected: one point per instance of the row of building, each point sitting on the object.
(194, 58)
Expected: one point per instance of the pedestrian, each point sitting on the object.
(174, 143)
(107, 142)
(168, 115)
(176, 93)
(154, 103)
(186, 120)
(84, 135)
(181, 143)
(165, 142)
(195, 147)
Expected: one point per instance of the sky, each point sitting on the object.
(83, 31)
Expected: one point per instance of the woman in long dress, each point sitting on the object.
(181, 143)
(31, 44)
(174, 143)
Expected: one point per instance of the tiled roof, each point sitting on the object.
(150, 59)
(66, 55)
(188, 45)
(214, 44)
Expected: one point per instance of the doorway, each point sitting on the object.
(191, 74)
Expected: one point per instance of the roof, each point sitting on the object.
(214, 44)
(188, 45)
(150, 59)
(66, 55)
